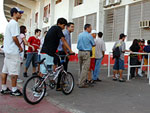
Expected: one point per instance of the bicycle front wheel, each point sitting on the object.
(67, 83)
(34, 90)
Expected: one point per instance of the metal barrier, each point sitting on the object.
(129, 66)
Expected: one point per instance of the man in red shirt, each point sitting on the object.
(32, 53)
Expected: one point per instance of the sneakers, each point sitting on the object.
(7, 91)
(16, 93)
(25, 74)
(19, 80)
(36, 94)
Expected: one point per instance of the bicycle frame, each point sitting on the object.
(57, 71)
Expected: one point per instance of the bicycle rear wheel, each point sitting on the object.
(67, 83)
(34, 90)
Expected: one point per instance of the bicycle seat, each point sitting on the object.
(40, 62)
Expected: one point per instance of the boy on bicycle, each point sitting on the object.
(51, 43)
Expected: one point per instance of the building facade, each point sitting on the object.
(112, 17)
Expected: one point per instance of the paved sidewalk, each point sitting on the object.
(12, 104)
(105, 97)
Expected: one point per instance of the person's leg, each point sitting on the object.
(28, 62)
(85, 68)
(80, 65)
(121, 74)
(89, 75)
(14, 80)
(4, 80)
(121, 68)
(34, 62)
(66, 64)
(98, 65)
(115, 69)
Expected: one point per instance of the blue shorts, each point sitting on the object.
(119, 64)
(39, 58)
(49, 62)
(31, 57)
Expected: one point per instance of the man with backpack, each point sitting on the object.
(119, 49)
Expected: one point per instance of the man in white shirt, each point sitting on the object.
(11, 49)
(99, 55)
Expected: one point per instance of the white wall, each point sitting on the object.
(88, 7)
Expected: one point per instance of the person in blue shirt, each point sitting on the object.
(84, 45)
(62, 50)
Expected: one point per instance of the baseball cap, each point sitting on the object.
(16, 10)
(93, 32)
(122, 35)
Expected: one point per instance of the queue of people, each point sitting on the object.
(57, 40)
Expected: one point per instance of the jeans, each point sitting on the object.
(97, 68)
(31, 57)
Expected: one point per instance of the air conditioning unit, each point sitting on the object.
(109, 3)
(145, 24)
(45, 20)
(116, 2)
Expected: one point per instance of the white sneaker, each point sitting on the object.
(37, 94)
(19, 80)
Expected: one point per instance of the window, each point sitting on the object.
(58, 1)
(114, 24)
(92, 19)
(47, 11)
(79, 24)
(78, 2)
(36, 17)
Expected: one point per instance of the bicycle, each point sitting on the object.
(37, 85)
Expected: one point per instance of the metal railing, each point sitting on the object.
(129, 65)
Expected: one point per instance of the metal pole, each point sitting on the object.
(128, 77)
(148, 68)
(109, 64)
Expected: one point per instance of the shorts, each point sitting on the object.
(146, 61)
(49, 62)
(31, 57)
(119, 64)
(39, 57)
(11, 64)
(92, 64)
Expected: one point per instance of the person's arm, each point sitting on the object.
(65, 49)
(14, 30)
(92, 41)
(66, 44)
(27, 44)
(15, 39)
(104, 49)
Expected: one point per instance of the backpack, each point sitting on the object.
(116, 53)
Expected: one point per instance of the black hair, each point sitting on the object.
(22, 29)
(87, 26)
(122, 35)
(134, 45)
(100, 34)
(135, 42)
(62, 21)
(143, 41)
(37, 30)
(148, 42)
(69, 24)
(12, 11)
